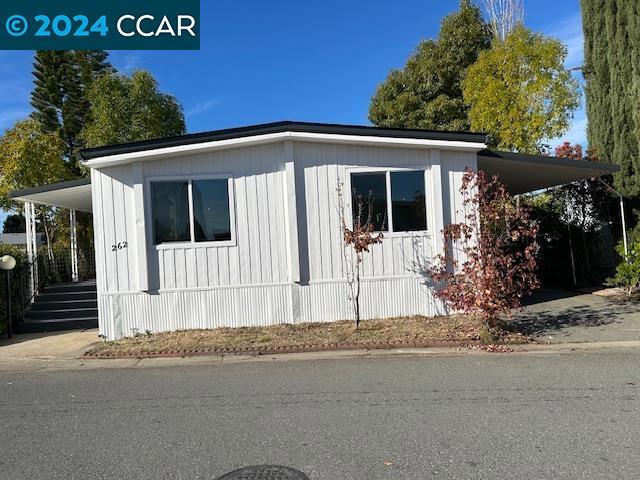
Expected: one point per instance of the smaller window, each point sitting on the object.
(170, 207)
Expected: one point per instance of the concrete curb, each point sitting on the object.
(253, 351)
(26, 365)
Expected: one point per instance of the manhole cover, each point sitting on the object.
(265, 472)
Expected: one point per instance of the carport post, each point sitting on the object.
(32, 247)
(74, 245)
(624, 223)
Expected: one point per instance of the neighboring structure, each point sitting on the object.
(240, 227)
(20, 239)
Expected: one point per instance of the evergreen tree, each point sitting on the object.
(427, 92)
(59, 97)
(14, 223)
(612, 73)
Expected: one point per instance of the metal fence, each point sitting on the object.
(49, 270)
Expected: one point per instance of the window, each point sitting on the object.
(407, 201)
(212, 222)
(170, 202)
(395, 200)
(369, 196)
(198, 210)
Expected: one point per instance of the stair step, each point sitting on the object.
(39, 304)
(66, 313)
(65, 296)
(57, 324)
(71, 287)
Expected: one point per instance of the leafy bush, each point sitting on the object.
(489, 262)
(628, 271)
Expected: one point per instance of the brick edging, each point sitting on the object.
(283, 349)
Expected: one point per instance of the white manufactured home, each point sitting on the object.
(241, 227)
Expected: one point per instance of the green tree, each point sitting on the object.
(520, 92)
(61, 80)
(14, 223)
(127, 109)
(612, 90)
(427, 93)
(29, 157)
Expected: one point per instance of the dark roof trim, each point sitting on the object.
(50, 188)
(279, 127)
(548, 160)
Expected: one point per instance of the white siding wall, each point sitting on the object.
(249, 283)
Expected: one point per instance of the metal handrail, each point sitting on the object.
(25, 274)
(47, 269)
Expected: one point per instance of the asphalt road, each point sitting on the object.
(525, 416)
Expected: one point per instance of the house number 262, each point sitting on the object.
(119, 246)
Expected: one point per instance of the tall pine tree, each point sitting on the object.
(612, 73)
(427, 92)
(59, 97)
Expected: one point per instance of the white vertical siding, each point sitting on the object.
(324, 167)
(249, 282)
(114, 222)
(258, 257)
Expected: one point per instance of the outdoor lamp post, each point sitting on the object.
(8, 263)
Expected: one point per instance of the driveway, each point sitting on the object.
(61, 345)
(555, 316)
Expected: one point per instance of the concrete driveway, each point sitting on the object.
(61, 345)
(554, 316)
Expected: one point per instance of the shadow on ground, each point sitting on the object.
(577, 316)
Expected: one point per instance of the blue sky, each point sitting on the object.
(292, 60)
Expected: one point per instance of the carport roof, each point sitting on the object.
(523, 173)
(74, 195)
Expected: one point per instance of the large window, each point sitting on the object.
(393, 200)
(198, 210)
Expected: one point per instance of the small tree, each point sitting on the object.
(628, 271)
(489, 262)
(356, 241)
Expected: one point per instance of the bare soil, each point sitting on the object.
(462, 330)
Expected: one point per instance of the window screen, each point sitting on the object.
(408, 201)
(369, 194)
(211, 216)
(170, 208)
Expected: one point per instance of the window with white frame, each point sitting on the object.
(191, 210)
(395, 199)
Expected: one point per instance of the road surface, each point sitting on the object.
(534, 416)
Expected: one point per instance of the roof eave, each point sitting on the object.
(150, 153)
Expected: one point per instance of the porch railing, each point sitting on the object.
(51, 270)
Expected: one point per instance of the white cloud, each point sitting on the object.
(203, 107)
(125, 62)
(569, 32)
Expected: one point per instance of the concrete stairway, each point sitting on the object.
(67, 306)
